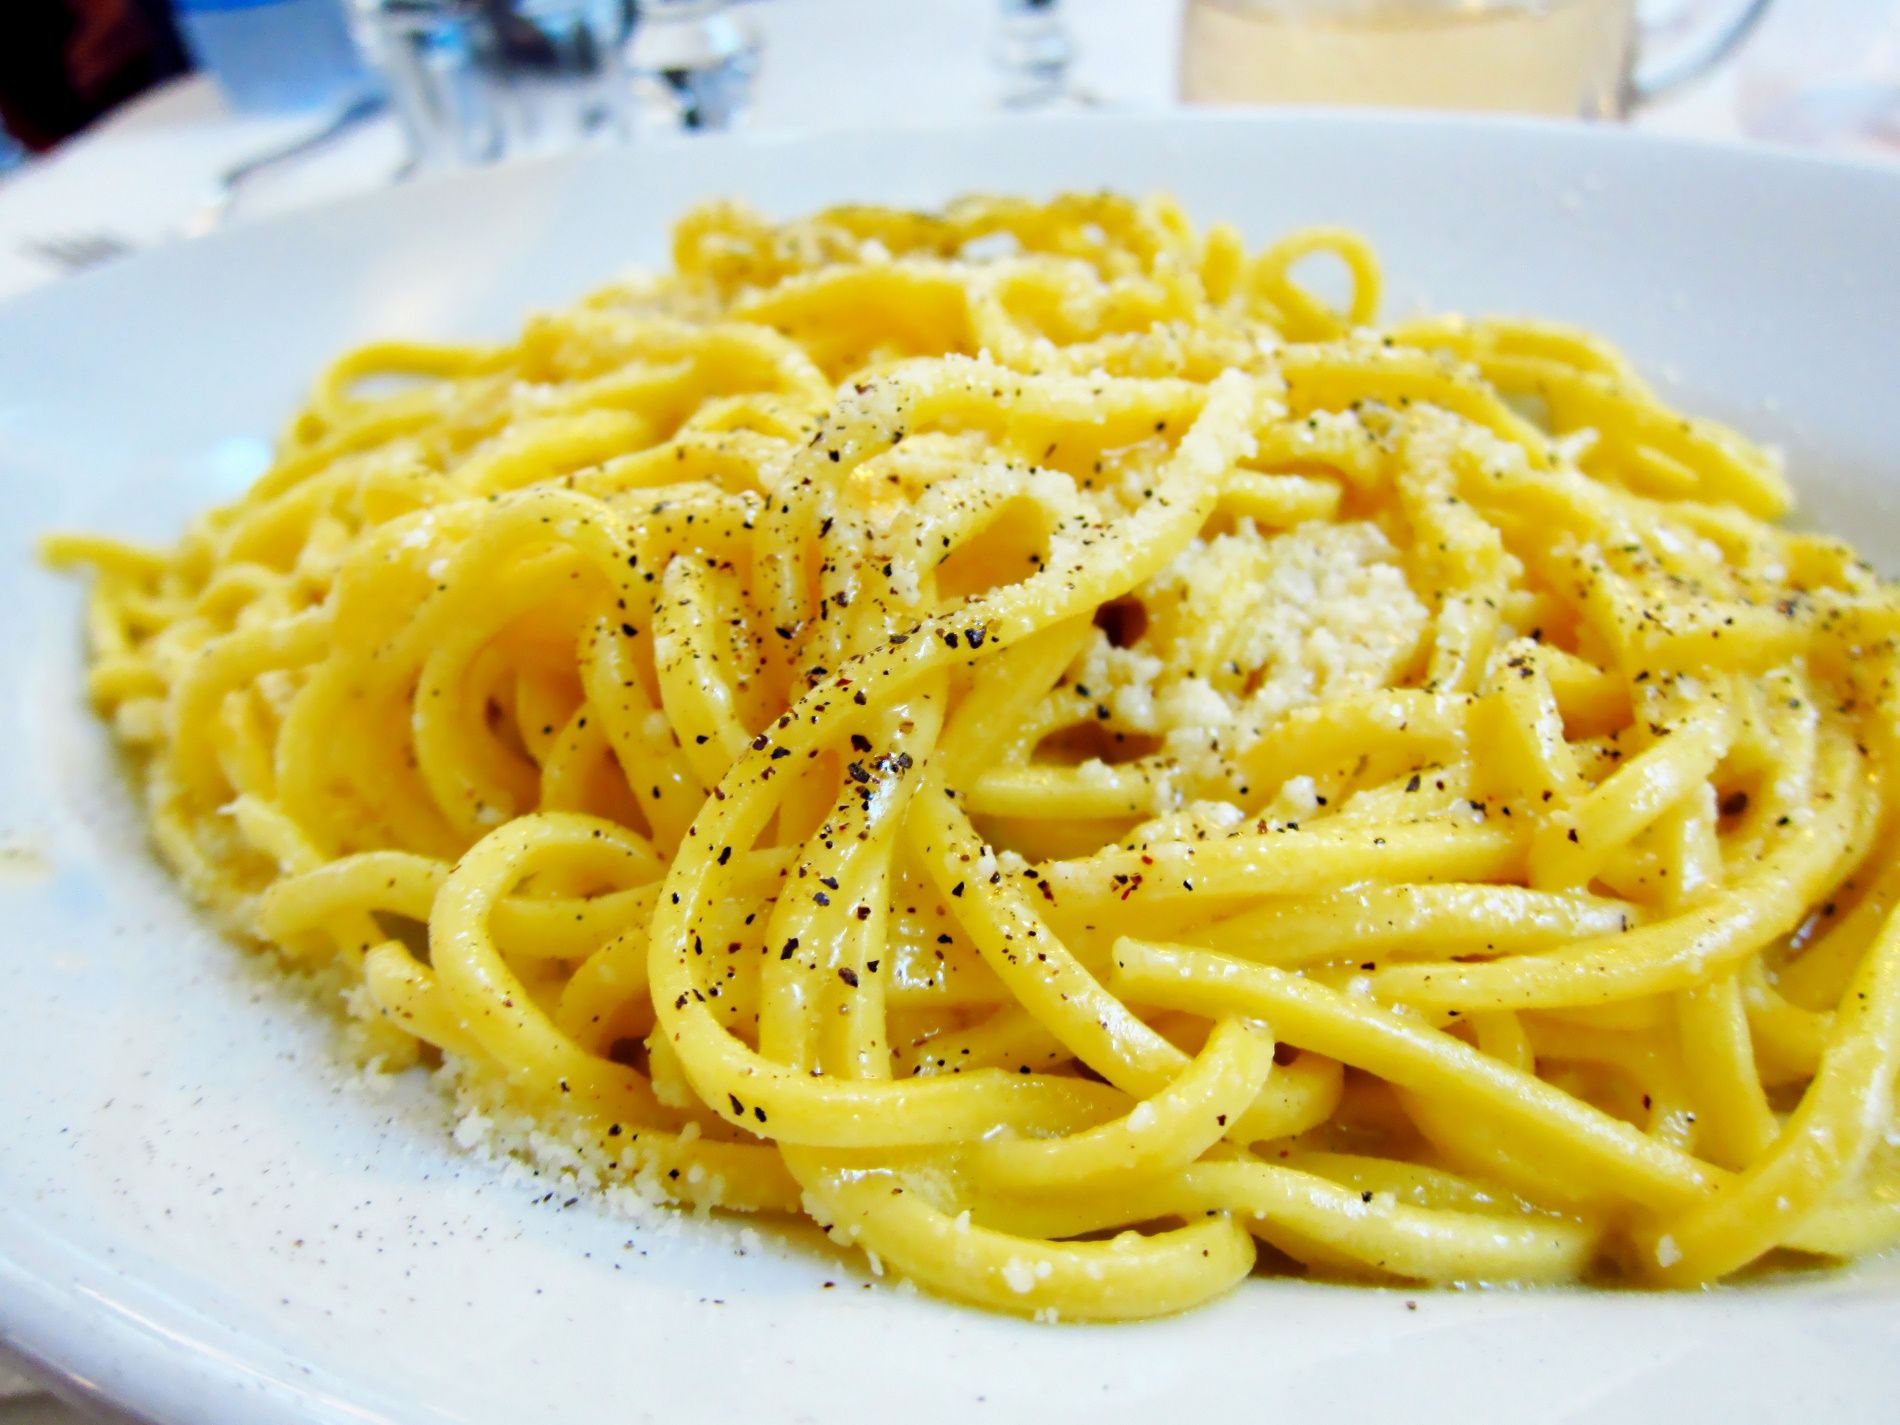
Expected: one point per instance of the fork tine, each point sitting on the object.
(74, 252)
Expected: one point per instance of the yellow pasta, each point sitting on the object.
(1027, 734)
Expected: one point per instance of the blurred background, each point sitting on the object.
(134, 122)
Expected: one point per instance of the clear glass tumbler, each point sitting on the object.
(693, 62)
(473, 80)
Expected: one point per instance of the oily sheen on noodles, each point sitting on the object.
(1028, 736)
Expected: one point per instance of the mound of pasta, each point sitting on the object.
(1029, 736)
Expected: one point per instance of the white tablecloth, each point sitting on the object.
(141, 175)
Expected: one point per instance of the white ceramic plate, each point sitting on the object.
(201, 1220)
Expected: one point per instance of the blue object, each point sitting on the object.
(275, 56)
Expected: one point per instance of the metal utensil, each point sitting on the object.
(229, 183)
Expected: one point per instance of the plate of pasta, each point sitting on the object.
(1076, 766)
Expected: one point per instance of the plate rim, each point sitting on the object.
(1540, 128)
(130, 1369)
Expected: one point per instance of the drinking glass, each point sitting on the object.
(692, 62)
(472, 80)
(1563, 57)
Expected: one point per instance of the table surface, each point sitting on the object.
(145, 174)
